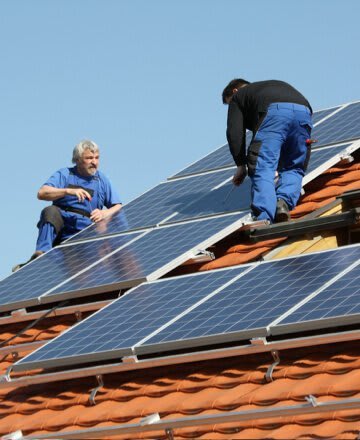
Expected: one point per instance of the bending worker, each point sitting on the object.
(280, 119)
(78, 195)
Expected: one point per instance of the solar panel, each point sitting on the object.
(158, 204)
(221, 157)
(336, 305)
(115, 329)
(228, 198)
(149, 257)
(218, 306)
(319, 115)
(246, 307)
(24, 287)
(342, 126)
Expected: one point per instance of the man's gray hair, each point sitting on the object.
(81, 147)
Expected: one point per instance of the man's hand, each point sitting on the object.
(239, 175)
(80, 193)
(98, 214)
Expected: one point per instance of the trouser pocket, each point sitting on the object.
(252, 156)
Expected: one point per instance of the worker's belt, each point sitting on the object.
(76, 210)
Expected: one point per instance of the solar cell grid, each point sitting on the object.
(46, 272)
(159, 203)
(251, 303)
(161, 249)
(339, 300)
(116, 328)
(342, 126)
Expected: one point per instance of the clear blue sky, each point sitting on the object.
(143, 79)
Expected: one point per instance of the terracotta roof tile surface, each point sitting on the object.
(328, 372)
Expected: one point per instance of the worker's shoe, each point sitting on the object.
(35, 255)
(282, 211)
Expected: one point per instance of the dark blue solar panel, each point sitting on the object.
(158, 204)
(227, 198)
(48, 271)
(319, 157)
(116, 328)
(340, 300)
(343, 126)
(256, 299)
(149, 253)
(219, 158)
(317, 116)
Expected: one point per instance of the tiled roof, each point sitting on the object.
(328, 372)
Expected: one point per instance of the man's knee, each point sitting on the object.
(52, 214)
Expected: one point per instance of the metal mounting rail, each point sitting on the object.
(301, 227)
(252, 348)
(313, 406)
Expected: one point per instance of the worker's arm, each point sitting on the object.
(235, 133)
(51, 193)
(101, 214)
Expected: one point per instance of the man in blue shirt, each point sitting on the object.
(78, 195)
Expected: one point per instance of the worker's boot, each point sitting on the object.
(282, 211)
(35, 255)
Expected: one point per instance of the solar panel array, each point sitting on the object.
(201, 309)
(163, 228)
(111, 263)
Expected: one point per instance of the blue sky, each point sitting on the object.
(143, 79)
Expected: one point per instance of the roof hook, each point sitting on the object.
(94, 391)
(169, 434)
(270, 370)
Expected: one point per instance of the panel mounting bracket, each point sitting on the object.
(347, 158)
(130, 359)
(201, 256)
(259, 341)
(148, 420)
(269, 373)
(312, 399)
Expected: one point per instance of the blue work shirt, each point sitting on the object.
(100, 187)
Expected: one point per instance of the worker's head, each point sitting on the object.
(86, 157)
(233, 86)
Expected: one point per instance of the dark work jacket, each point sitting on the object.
(248, 108)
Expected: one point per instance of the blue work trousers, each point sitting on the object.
(279, 145)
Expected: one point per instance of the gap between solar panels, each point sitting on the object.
(112, 263)
(200, 310)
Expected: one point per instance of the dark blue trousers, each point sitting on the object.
(279, 145)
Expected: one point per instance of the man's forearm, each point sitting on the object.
(114, 209)
(50, 193)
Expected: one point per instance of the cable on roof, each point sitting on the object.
(32, 324)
